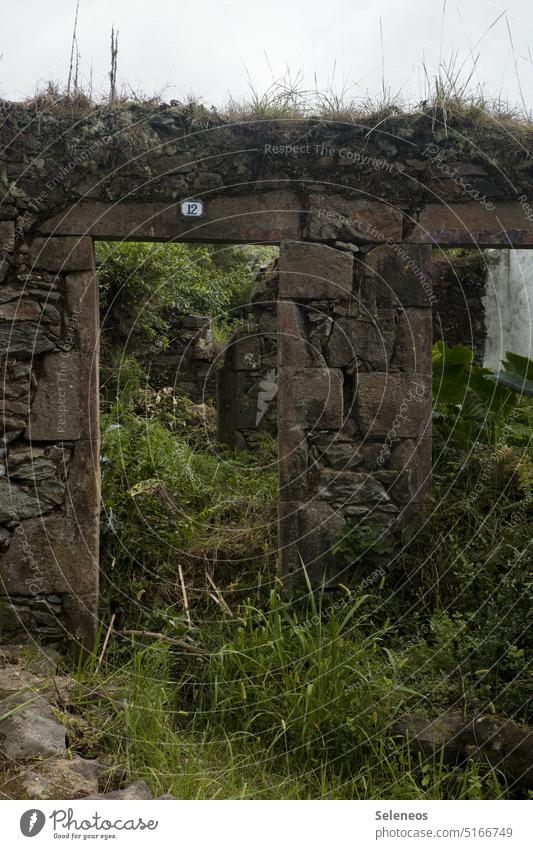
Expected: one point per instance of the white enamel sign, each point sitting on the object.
(192, 208)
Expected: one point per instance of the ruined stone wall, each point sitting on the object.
(70, 173)
(50, 438)
(183, 356)
(247, 382)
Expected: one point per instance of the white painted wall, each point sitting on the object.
(508, 305)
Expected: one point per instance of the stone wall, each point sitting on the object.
(354, 359)
(50, 439)
(247, 382)
(183, 356)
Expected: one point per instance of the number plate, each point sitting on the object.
(192, 208)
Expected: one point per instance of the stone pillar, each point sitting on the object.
(354, 403)
(49, 506)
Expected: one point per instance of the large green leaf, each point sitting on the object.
(512, 382)
(516, 364)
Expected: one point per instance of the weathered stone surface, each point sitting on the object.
(137, 790)
(359, 220)
(31, 730)
(395, 275)
(14, 678)
(62, 253)
(47, 555)
(294, 348)
(350, 488)
(18, 503)
(307, 536)
(261, 216)
(308, 272)
(413, 337)
(337, 454)
(473, 224)
(393, 405)
(55, 778)
(20, 310)
(7, 235)
(25, 337)
(56, 411)
(38, 469)
(293, 463)
(82, 305)
(368, 344)
(311, 397)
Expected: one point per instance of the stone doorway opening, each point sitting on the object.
(189, 506)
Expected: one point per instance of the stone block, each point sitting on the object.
(56, 412)
(367, 343)
(307, 536)
(293, 463)
(467, 224)
(62, 253)
(28, 338)
(20, 310)
(353, 220)
(7, 235)
(412, 348)
(348, 487)
(337, 453)
(395, 275)
(257, 217)
(311, 398)
(294, 348)
(310, 272)
(393, 405)
(82, 305)
(413, 459)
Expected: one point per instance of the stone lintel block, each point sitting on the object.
(395, 275)
(307, 536)
(62, 253)
(82, 304)
(393, 405)
(355, 220)
(505, 225)
(56, 412)
(294, 348)
(293, 463)
(259, 216)
(366, 341)
(308, 271)
(311, 398)
(412, 348)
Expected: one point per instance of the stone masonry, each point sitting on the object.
(357, 207)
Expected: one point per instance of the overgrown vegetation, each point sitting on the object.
(265, 697)
(141, 282)
(227, 688)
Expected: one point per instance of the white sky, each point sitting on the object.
(203, 47)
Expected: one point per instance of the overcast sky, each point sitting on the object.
(208, 47)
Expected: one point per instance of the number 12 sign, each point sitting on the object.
(192, 208)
